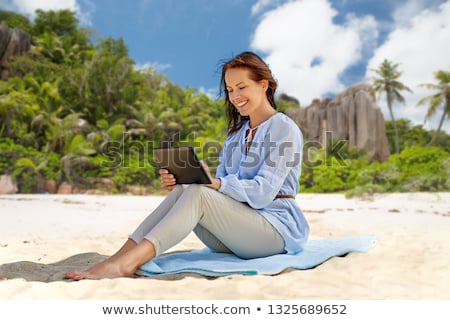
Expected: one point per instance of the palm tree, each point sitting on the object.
(442, 96)
(76, 152)
(387, 82)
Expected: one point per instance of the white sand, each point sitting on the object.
(410, 261)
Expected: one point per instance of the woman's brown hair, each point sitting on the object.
(258, 70)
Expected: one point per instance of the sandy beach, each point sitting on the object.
(43, 236)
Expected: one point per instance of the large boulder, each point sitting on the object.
(353, 116)
(13, 42)
(7, 185)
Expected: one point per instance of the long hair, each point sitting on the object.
(258, 70)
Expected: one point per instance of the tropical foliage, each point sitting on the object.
(80, 112)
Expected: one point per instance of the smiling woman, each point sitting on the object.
(249, 208)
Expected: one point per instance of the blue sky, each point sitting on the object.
(316, 48)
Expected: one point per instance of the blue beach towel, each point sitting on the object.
(209, 263)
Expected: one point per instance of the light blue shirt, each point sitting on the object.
(271, 166)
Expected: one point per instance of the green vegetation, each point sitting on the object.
(79, 112)
(414, 169)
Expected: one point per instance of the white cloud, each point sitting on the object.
(160, 67)
(212, 93)
(421, 48)
(260, 5)
(307, 51)
(405, 11)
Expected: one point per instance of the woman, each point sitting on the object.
(249, 209)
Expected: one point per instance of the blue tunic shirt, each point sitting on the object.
(270, 167)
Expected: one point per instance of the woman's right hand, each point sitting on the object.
(168, 180)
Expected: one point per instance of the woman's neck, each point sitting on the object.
(261, 116)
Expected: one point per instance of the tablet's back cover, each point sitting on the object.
(183, 163)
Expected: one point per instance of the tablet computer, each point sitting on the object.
(183, 163)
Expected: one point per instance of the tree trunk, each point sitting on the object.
(397, 149)
(441, 122)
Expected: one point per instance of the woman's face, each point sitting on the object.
(247, 95)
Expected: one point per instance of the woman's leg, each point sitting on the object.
(157, 215)
(231, 225)
(210, 240)
(134, 240)
(238, 227)
(241, 229)
(123, 265)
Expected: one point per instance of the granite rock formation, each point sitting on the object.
(13, 42)
(353, 116)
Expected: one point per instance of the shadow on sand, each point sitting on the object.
(33, 271)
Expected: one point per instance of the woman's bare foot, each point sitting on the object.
(103, 270)
(122, 265)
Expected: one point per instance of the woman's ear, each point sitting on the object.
(265, 84)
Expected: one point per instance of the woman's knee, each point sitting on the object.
(195, 190)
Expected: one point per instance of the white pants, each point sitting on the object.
(222, 223)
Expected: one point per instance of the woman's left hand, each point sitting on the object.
(216, 182)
